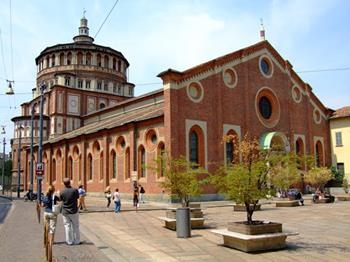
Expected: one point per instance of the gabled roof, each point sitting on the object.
(341, 112)
(141, 114)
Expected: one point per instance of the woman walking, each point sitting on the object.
(50, 217)
(108, 195)
(81, 200)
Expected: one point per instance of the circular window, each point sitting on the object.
(265, 66)
(151, 139)
(229, 76)
(267, 107)
(120, 145)
(296, 94)
(195, 92)
(317, 116)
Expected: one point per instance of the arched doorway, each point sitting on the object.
(276, 141)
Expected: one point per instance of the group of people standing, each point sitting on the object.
(69, 197)
(138, 196)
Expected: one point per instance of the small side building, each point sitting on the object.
(340, 140)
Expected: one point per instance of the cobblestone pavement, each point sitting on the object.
(21, 237)
(324, 234)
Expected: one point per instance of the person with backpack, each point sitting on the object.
(50, 215)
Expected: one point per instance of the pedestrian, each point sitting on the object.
(117, 202)
(136, 197)
(82, 194)
(50, 217)
(69, 197)
(299, 197)
(142, 193)
(108, 196)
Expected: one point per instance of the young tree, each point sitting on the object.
(181, 178)
(318, 176)
(251, 179)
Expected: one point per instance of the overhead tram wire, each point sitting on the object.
(3, 55)
(324, 70)
(106, 18)
(12, 64)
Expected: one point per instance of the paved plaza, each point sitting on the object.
(324, 234)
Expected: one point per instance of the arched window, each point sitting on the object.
(119, 65)
(69, 58)
(141, 161)
(88, 58)
(61, 59)
(231, 141)
(102, 105)
(53, 62)
(162, 159)
(196, 146)
(114, 64)
(114, 165)
(47, 62)
(101, 166)
(80, 58)
(299, 150)
(127, 163)
(70, 168)
(90, 166)
(98, 60)
(319, 154)
(53, 170)
(106, 62)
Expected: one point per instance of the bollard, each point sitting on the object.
(183, 222)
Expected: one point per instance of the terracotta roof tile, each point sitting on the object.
(341, 112)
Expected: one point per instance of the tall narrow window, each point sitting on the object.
(340, 168)
(53, 170)
(101, 166)
(127, 163)
(106, 64)
(119, 65)
(99, 86)
(61, 59)
(114, 64)
(194, 147)
(80, 58)
(319, 154)
(142, 162)
(162, 160)
(70, 168)
(69, 58)
(67, 81)
(90, 166)
(114, 160)
(88, 58)
(80, 83)
(338, 139)
(98, 60)
(87, 84)
(53, 60)
(229, 152)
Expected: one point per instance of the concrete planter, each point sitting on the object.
(241, 227)
(252, 238)
(343, 198)
(241, 208)
(287, 203)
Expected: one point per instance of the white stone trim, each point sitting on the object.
(270, 63)
(201, 90)
(257, 111)
(294, 94)
(226, 128)
(317, 121)
(203, 125)
(235, 76)
(321, 139)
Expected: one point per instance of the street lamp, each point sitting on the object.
(3, 160)
(41, 123)
(31, 152)
(20, 128)
(9, 90)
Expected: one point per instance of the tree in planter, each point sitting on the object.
(251, 179)
(318, 176)
(284, 171)
(181, 177)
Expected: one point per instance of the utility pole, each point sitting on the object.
(31, 152)
(19, 161)
(41, 128)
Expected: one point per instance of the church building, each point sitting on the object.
(98, 134)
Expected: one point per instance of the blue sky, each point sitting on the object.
(155, 35)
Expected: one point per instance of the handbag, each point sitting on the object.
(56, 209)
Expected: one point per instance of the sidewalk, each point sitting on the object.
(21, 238)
